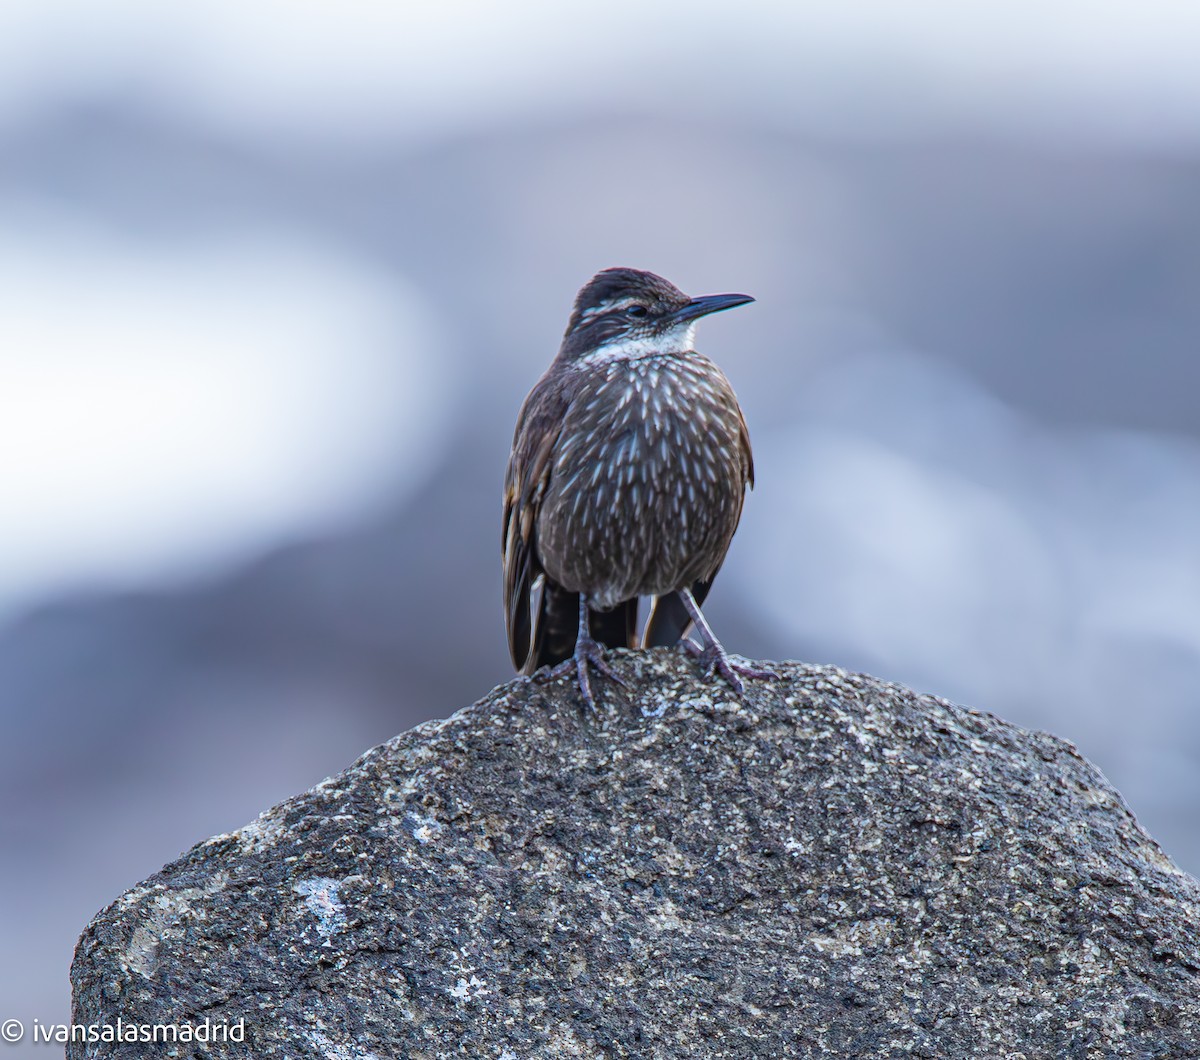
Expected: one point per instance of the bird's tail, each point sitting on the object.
(669, 621)
(557, 626)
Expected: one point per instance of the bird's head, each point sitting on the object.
(626, 313)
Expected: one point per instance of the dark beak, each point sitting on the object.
(709, 303)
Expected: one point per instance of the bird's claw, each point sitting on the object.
(714, 658)
(588, 652)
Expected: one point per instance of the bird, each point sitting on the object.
(629, 467)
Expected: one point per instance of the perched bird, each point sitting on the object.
(628, 470)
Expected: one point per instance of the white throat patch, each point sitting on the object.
(678, 339)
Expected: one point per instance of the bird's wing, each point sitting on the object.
(529, 469)
(541, 617)
(744, 445)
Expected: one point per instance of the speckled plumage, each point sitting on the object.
(650, 468)
(629, 467)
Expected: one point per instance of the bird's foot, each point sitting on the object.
(714, 658)
(588, 651)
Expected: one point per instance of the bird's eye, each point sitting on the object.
(636, 311)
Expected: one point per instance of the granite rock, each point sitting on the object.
(830, 866)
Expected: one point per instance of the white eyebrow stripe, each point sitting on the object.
(609, 306)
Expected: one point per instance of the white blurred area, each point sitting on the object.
(1111, 69)
(169, 409)
(275, 276)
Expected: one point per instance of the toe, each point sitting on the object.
(751, 671)
(731, 676)
(585, 684)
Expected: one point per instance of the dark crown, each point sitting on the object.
(616, 289)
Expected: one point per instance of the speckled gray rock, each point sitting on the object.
(833, 867)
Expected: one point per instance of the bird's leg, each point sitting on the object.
(712, 656)
(588, 650)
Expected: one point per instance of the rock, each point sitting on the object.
(831, 867)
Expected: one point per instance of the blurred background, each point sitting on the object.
(275, 277)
